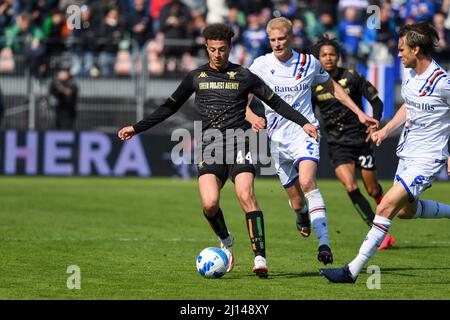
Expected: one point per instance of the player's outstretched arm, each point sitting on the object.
(396, 121)
(164, 111)
(345, 99)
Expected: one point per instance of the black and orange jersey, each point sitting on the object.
(341, 125)
(221, 98)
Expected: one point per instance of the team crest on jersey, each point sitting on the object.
(232, 74)
(288, 98)
(203, 75)
(272, 71)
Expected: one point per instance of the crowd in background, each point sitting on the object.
(111, 32)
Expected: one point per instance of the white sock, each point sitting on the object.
(318, 216)
(370, 245)
(432, 210)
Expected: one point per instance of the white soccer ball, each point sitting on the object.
(212, 263)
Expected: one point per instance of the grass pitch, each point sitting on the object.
(138, 239)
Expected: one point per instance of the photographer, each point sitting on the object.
(63, 99)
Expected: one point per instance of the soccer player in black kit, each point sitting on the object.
(349, 143)
(222, 90)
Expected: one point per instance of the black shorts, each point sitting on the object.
(362, 156)
(223, 171)
(234, 160)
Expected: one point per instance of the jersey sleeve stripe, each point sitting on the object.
(426, 81)
(296, 65)
(299, 75)
(437, 80)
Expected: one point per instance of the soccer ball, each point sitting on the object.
(212, 263)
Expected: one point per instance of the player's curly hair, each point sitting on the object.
(422, 35)
(218, 31)
(324, 40)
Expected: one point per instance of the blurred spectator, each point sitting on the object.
(217, 11)
(350, 33)
(318, 7)
(300, 41)
(55, 31)
(445, 9)
(442, 51)
(236, 20)
(9, 9)
(27, 39)
(197, 25)
(287, 9)
(140, 23)
(198, 6)
(358, 5)
(40, 10)
(63, 95)
(174, 21)
(111, 33)
(155, 12)
(82, 46)
(381, 43)
(251, 6)
(325, 26)
(155, 55)
(419, 9)
(254, 38)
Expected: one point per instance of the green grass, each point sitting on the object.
(138, 239)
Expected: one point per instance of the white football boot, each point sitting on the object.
(260, 268)
(227, 246)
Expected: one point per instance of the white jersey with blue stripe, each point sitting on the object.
(292, 81)
(427, 128)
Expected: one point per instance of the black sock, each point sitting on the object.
(217, 223)
(362, 206)
(255, 225)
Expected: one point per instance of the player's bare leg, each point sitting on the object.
(346, 173)
(209, 187)
(372, 185)
(307, 170)
(298, 203)
(244, 187)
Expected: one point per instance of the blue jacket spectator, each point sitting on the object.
(386, 34)
(254, 38)
(419, 9)
(350, 32)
